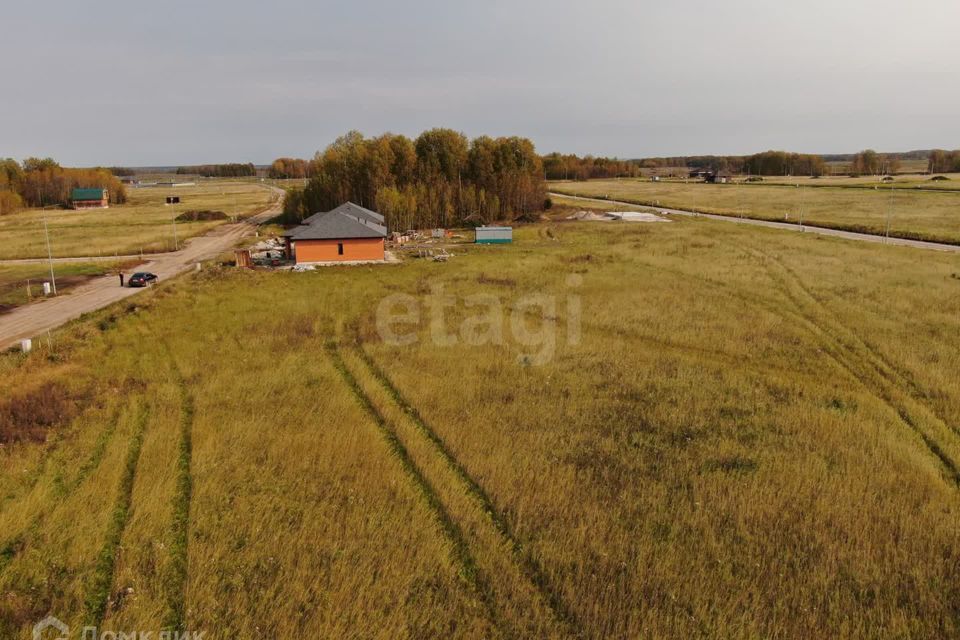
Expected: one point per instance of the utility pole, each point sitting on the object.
(176, 242)
(889, 213)
(53, 278)
(802, 195)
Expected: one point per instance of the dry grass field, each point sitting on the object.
(746, 434)
(921, 215)
(907, 181)
(23, 283)
(144, 224)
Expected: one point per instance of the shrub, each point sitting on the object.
(28, 416)
(9, 202)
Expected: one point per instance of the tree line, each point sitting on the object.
(557, 166)
(42, 182)
(439, 179)
(784, 163)
(228, 170)
(288, 168)
(941, 161)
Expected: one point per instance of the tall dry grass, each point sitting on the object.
(756, 436)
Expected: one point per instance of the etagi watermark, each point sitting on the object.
(50, 628)
(533, 320)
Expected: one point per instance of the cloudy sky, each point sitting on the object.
(174, 82)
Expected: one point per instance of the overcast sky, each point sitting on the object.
(155, 83)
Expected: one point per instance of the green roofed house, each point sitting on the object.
(90, 198)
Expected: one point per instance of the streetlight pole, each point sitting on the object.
(53, 278)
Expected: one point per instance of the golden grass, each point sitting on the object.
(23, 283)
(144, 224)
(756, 436)
(904, 181)
(913, 214)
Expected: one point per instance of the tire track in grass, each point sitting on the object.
(884, 378)
(852, 355)
(527, 564)
(836, 350)
(10, 550)
(175, 579)
(101, 582)
(468, 570)
(882, 363)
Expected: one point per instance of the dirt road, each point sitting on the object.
(788, 226)
(34, 319)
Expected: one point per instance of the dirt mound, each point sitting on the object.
(626, 216)
(591, 216)
(204, 215)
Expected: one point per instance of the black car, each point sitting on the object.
(142, 279)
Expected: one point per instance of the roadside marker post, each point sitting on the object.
(53, 278)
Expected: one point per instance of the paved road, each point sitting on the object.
(788, 226)
(34, 319)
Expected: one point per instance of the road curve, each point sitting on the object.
(787, 226)
(37, 318)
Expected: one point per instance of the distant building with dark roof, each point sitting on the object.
(90, 198)
(720, 177)
(345, 234)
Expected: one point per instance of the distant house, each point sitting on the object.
(494, 235)
(721, 177)
(346, 234)
(90, 198)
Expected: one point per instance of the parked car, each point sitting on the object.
(142, 279)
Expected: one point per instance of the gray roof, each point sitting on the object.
(350, 209)
(336, 225)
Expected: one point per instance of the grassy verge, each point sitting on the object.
(23, 283)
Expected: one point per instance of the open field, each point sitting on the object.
(14, 279)
(914, 214)
(909, 181)
(144, 224)
(906, 166)
(747, 433)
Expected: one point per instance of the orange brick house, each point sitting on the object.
(348, 233)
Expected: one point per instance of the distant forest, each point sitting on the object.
(42, 182)
(230, 170)
(571, 167)
(768, 163)
(439, 179)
